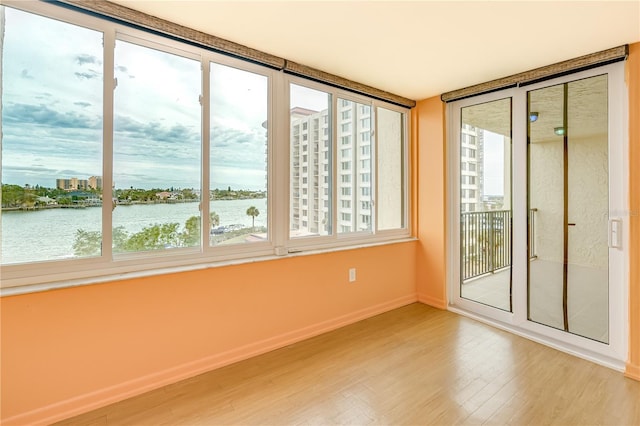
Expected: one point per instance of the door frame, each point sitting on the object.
(613, 354)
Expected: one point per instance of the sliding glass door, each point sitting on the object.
(537, 238)
(569, 195)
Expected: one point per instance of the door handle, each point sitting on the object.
(615, 233)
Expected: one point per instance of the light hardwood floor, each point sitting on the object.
(415, 365)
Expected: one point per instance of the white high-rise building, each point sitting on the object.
(471, 164)
(311, 176)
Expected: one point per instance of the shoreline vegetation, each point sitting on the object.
(27, 198)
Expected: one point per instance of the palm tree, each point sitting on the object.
(214, 219)
(253, 212)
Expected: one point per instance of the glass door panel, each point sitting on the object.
(485, 203)
(569, 205)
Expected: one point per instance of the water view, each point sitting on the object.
(49, 234)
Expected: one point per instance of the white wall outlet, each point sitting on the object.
(352, 275)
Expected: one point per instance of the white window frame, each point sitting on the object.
(36, 276)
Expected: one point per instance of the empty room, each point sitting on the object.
(319, 212)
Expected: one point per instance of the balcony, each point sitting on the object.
(485, 239)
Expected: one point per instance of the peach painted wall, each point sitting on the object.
(70, 350)
(429, 142)
(633, 81)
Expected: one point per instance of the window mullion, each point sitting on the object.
(335, 161)
(373, 167)
(109, 86)
(279, 161)
(205, 190)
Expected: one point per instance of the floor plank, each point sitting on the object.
(414, 365)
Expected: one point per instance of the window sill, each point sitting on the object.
(110, 277)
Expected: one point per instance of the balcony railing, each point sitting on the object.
(485, 241)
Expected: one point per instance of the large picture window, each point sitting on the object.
(238, 157)
(52, 83)
(156, 150)
(125, 151)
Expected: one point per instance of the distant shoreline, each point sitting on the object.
(118, 203)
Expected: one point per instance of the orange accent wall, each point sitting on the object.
(633, 82)
(431, 255)
(70, 350)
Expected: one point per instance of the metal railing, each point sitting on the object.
(485, 242)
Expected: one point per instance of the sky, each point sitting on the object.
(493, 167)
(52, 112)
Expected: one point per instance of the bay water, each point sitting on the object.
(48, 234)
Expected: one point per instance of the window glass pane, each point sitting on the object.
(390, 155)
(485, 203)
(355, 167)
(238, 156)
(309, 109)
(156, 150)
(51, 139)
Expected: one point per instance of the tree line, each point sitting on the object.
(153, 237)
(27, 196)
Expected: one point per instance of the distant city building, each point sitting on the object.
(72, 184)
(95, 182)
(471, 163)
(75, 184)
(473, 194)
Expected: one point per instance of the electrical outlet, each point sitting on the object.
(352, 275)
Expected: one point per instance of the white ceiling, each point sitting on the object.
(415, 49)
